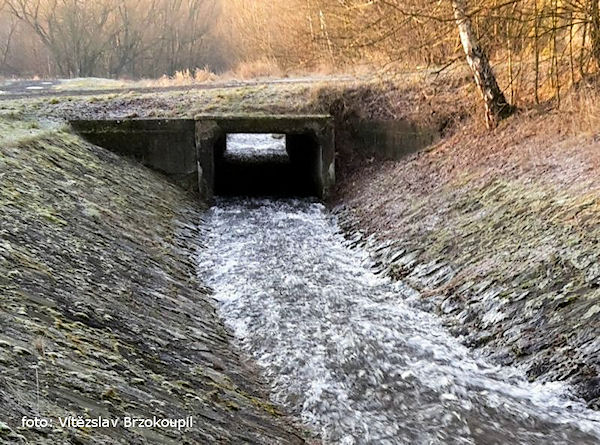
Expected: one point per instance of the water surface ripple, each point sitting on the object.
(347, 352)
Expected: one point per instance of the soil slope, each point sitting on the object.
(101, 312)
(501, 233)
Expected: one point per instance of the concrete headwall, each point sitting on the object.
(165, 145)
(390, 140)
(185, 149)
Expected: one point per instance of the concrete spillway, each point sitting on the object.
(189, 151)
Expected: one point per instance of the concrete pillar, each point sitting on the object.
(208, 134)
(326, 136)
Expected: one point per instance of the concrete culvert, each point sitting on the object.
(250, 155)
(197, 153)
(267, 165)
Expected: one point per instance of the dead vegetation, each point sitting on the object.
(500, 231)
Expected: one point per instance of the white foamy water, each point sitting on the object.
(344, 349)
(255, 146)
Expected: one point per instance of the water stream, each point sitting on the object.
(350, 353)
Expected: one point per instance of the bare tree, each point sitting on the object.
(11, 25)
(539, 47)
(75, 31)
(594, 14)
(116, 37)
(496, 106)
(130, 39)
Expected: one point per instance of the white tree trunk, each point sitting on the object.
(496, 107)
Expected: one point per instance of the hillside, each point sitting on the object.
(500, 232)
(102, 312)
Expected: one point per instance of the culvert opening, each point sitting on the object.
(192, 152)
(266, 164)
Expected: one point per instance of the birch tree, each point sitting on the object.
(496, 106)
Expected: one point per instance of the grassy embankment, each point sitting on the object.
(101, 311)
(501, 230)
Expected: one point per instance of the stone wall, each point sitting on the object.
(102, 309)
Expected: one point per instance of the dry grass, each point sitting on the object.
(182, 78)
(440, 101)
(581, 109)
(39, 344)
(543, 143)
(554, 148)
(256, 69)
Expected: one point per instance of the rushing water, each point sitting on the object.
(256, 147)
(347, 352)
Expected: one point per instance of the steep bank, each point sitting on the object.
(500, 232)
(101, 312)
